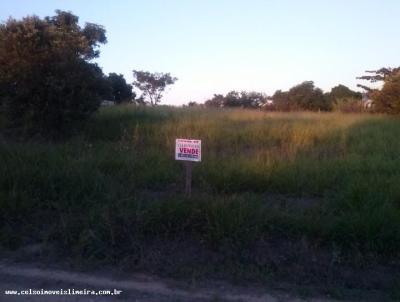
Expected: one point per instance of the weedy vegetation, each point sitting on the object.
(274, 191)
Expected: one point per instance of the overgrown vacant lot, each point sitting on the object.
(298, 195)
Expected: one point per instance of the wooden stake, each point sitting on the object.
(188, 186)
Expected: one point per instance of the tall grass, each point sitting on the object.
(332, 178)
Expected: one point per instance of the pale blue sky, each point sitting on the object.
(214, 46)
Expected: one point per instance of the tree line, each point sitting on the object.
(49, 83)
(307, 97)
(304, 96)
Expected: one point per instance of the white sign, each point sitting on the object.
(188, 149)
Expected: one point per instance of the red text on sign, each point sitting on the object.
(189, 150)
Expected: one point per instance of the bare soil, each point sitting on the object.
(183, 270)
(134, 287)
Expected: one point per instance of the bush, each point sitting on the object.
(348, 105)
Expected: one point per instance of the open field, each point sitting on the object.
(276, 193)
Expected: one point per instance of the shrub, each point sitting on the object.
(348, 105)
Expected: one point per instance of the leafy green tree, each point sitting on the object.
(252, 99)
(237, 99)
(343, 92)
(232, 99)
(344, 99)
(380, 75)
(121, 91)
(48, 84)
(152, 85)
(387, 99)
(306, 96)
(281, 101)
(193, 104)
(217, 101)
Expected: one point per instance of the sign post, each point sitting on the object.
(188, 150)
(188, 182)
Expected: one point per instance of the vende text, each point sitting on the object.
(189, 150)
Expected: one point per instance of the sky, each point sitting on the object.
(214, 46)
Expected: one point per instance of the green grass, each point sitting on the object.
(328, 177)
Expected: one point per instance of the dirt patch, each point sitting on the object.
(283, 264)
(135, 288)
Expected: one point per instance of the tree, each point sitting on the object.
(121, 91)
(238, 99)
(387, 99)
(380, 75)
(193, 104)
(152, 85)
(344, 99)
(254, 99)
(306, 96)
(343, 92)
(48, 84)
(217, 101)
(281, 100)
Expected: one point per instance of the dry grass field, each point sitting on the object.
(317, 194)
